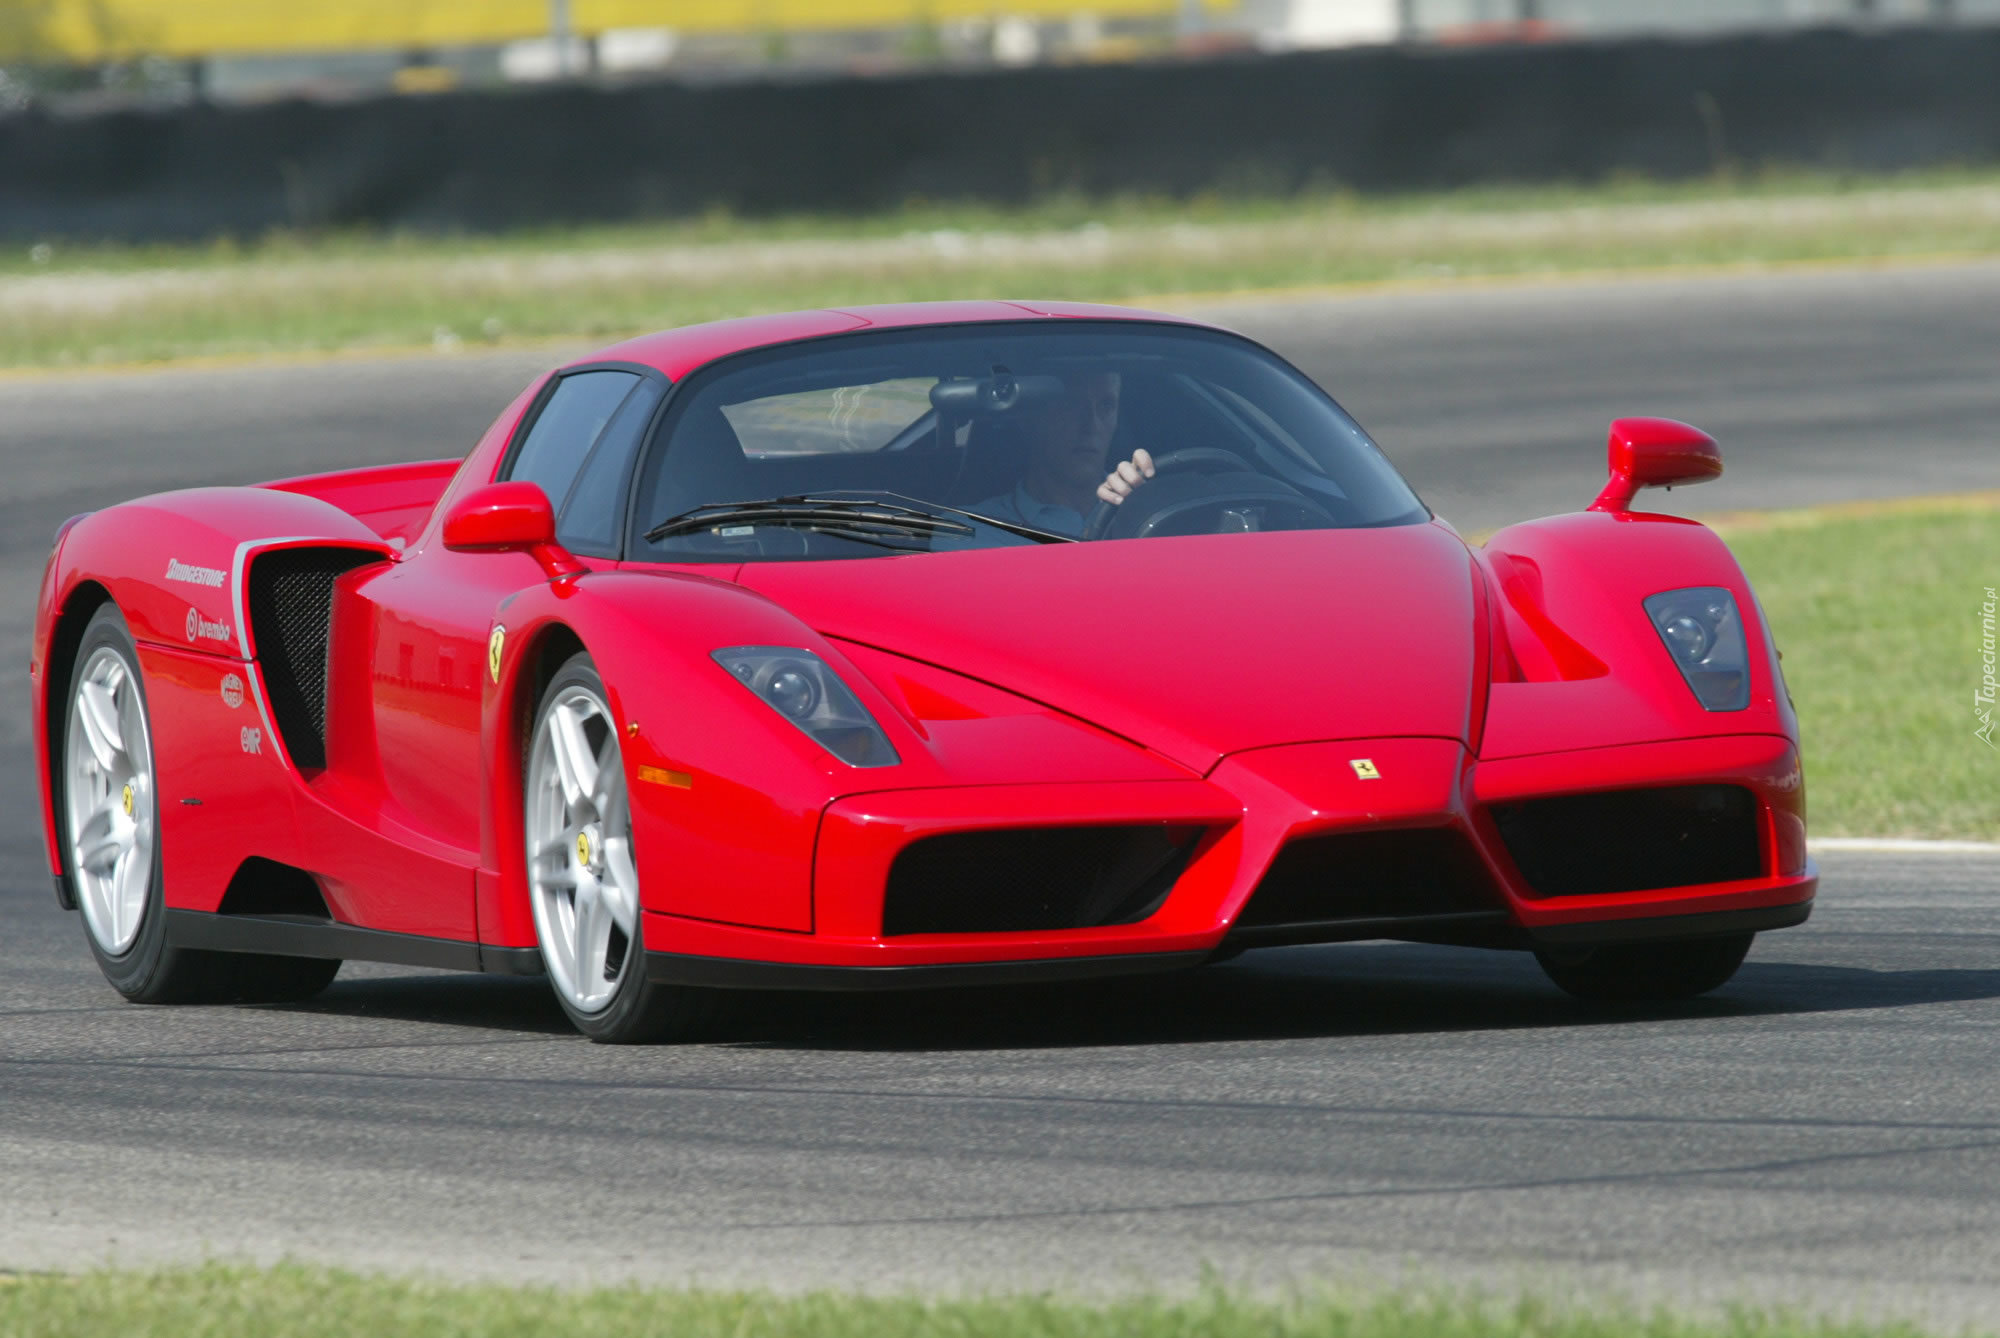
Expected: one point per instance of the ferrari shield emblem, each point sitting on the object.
(494, 644)
(1364, 768)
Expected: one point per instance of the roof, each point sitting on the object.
(678, 352)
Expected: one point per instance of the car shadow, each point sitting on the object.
(1279, 994)
(491, 1003)
(1357, 990)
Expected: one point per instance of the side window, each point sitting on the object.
(569, 425)
(590, 520)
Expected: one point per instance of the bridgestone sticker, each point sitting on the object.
(211, 577)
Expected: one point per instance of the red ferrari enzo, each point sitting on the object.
(818, 651)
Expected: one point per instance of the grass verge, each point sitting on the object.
(63, 306)
(291, 1301)
(1877, 609)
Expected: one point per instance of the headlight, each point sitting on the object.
(1704, 633)
(798, 685)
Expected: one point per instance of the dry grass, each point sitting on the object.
(99, 305)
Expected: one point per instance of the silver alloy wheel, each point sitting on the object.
(581, 877)
(108, 792)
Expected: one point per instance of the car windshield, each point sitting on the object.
(951, 438)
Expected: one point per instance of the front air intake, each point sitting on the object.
(290, 596)
(1037, 878)
(1421, 882)
(1584, 845)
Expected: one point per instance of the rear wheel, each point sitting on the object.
(582, 877)
(1634, 972)
(111, 824)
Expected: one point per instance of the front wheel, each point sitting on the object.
(1636, 972)
(582, 877)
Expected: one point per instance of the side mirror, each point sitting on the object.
(1655, 453)
(509, 518)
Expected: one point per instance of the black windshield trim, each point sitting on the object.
(666, 415)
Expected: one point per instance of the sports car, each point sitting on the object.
(922, 645)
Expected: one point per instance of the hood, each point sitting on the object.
(1195, 647)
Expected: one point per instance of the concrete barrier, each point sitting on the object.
(1372, 119)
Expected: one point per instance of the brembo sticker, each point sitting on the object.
(200, 628)
(232, 691)
(211, 577)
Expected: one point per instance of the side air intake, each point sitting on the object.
(265, 887)
(290, 598)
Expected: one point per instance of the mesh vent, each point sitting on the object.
(291, 607)
(1033, 879)
(1633, 840)
(1370, 875)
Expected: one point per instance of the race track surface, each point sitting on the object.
(1826, 1129)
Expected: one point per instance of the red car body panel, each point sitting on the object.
(1232, 688)
(1292, 646)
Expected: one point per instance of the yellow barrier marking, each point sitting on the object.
(95, 29)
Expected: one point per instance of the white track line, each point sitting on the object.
(1904, 846)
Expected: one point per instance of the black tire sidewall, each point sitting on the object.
(1647, 972)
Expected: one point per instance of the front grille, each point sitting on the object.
(1633, 840)
(1403, 874)
(1035, 878)
(291, 604)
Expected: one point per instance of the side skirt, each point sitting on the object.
(308, 936)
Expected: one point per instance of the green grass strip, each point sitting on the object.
(293, 1301)
(70, 305)
(1878, 616)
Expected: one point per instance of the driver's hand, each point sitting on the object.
(1120, 482)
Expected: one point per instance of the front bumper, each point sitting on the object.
(1400, 794)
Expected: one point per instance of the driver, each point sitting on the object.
(1066, 440)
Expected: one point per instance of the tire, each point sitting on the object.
(109, 808)
(1641, 972)
(583, 879)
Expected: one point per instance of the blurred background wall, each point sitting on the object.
(138, 119)
(108, 51)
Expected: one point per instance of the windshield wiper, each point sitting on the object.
(1008, 526)
(885, 523)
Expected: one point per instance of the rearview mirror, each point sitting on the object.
(508, 518)
(1000, 393)
(1655, 453)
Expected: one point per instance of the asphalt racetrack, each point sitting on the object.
(1825, 1130)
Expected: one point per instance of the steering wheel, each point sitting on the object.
(1104, 513)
